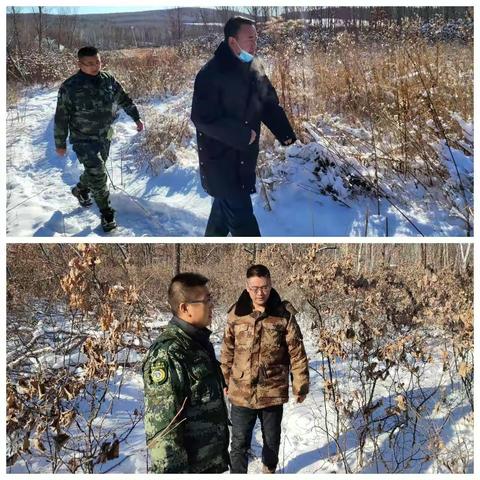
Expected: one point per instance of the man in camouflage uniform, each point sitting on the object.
(186, 420)
(87, 105)
(261, 346)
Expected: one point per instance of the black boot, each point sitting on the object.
(108, 219)
(83, 196)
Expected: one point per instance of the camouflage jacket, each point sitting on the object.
(186, 421)
(258, 352)
(87, 106)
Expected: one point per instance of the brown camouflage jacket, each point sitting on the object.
(259, 351)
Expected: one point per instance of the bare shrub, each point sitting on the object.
(38, 68)
(376, 328)
(60, 408)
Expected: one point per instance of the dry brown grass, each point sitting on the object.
(14, 94)
(387, 100)
(404, 92)
(154, 72)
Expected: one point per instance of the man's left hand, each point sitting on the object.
(300, 398)
(140, 125)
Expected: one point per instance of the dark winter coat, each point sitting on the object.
(260, 350)
(230, 99)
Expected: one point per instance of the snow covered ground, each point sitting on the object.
(290, 201)
(305, 447)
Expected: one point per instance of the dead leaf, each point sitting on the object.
(60, 440)
(37, 443)
(464, 369)
(401, 403)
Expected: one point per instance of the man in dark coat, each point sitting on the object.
(232, 96)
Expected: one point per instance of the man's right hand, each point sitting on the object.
(61, 151)
(253, 136)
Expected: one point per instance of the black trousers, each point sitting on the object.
(243, 422)
(232, 215)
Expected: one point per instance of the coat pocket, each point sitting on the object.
(215, 149)
(273, 335)
(275, 381)
(243, 335)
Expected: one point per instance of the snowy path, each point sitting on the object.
(173, 203)
(39, 182)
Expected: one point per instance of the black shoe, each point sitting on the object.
(108, 220)
(83, 196)
(266, 469)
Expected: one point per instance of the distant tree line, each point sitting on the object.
(33, 270)
(38, 28)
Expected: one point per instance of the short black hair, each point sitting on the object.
(87, 52)
(180, 287)
(258, 271)
(234, 24)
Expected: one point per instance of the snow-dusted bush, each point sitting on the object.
(382, 333)
(166, 132)
(40, 68)
(64, 384)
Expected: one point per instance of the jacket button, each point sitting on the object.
(243, 186)
(201, 163)
(200, 134)
(242, 162)
(246, 123)
(199, 148)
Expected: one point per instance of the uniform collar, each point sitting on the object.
(190, 329)
(199, 335)
(89, 77)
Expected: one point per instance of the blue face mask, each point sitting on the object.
(245, 56)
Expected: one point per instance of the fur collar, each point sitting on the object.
(275, 306)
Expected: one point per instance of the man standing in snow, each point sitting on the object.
(87, 105)
(232, 96)
(262, 345)
(186, 420)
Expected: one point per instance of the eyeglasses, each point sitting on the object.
(206, 301)
(263, 288)
(91, 64)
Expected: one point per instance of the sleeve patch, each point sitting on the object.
(159, 372)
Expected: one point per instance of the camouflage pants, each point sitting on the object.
(94, 178)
